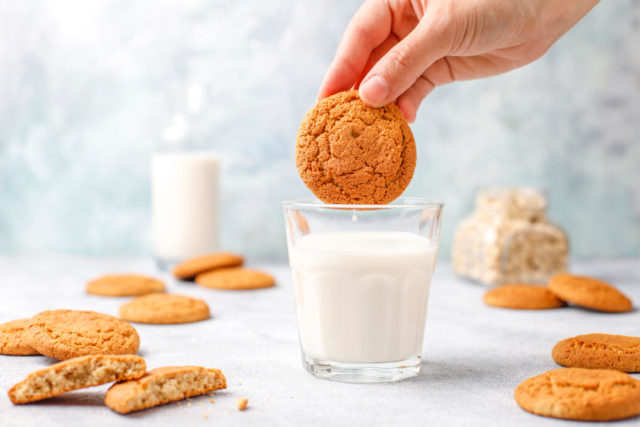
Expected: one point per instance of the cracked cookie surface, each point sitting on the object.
(64, 334)
(581, 394)
(599, 351)
(348, 152)
(12, 338)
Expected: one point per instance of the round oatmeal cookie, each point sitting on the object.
(194, 266)
(165, 309)
(522, 297)
(235, 279)
(581, 394)
(588, 292)
(124, 285)
(599, 351)
(64, 334)
(12, 338)
(348, 152)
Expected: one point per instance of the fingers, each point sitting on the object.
(439, 73)
(410, 100)
(400, 68)
(369, 27)
(375, 56)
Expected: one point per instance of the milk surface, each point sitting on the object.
(362, 296)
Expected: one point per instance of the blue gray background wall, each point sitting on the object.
(89, 89)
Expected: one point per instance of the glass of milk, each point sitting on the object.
(184, 205)
(361, 277)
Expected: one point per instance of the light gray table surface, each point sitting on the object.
(474, 356)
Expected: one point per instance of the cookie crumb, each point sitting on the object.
(241, 403)
(239, 382)
(205, 416)
(212, 400)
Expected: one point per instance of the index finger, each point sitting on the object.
(368, 28)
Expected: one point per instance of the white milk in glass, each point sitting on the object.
(362, 296)
(185, 205)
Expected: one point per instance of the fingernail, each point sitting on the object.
(374, 91)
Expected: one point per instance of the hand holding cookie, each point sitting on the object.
(350, 153)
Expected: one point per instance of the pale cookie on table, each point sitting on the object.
(194, 266)
(77, 373)
(599, 351)
(588, 292)
(165, 309)
(163, 385)
(12, 338)
(235, 279)
(348, 152)
(581, 394)
(522, 297)
(64, 334)
(124, 285)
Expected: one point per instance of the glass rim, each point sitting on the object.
(403, 203)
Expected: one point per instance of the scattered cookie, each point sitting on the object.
(194, 266)
(599, 351)
(235, 279)
(165, 309)
(523, 297)
(590, 293)
(64, 334)
(241, 403)
(73, 374)
(124, 285)
(581, 394)
(348, 152)
(12, 338)
(163, 385)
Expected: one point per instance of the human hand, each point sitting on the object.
(400, 50)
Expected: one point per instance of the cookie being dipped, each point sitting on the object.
(350, 153)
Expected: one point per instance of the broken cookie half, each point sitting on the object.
(163, 385)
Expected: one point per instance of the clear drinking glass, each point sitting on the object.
(362, 275)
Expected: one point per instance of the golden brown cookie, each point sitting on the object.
(73, 374)
(64, 334)
(12, 338)
(523, 297)
(235, 279)
(165, 309)
(163, 385)
(124, 285)
(590, 293)
(348, 152)
(194, 266)
(599, 351)
(581, 394)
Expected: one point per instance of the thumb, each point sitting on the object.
(399, 68)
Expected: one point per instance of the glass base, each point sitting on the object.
(360, 373)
